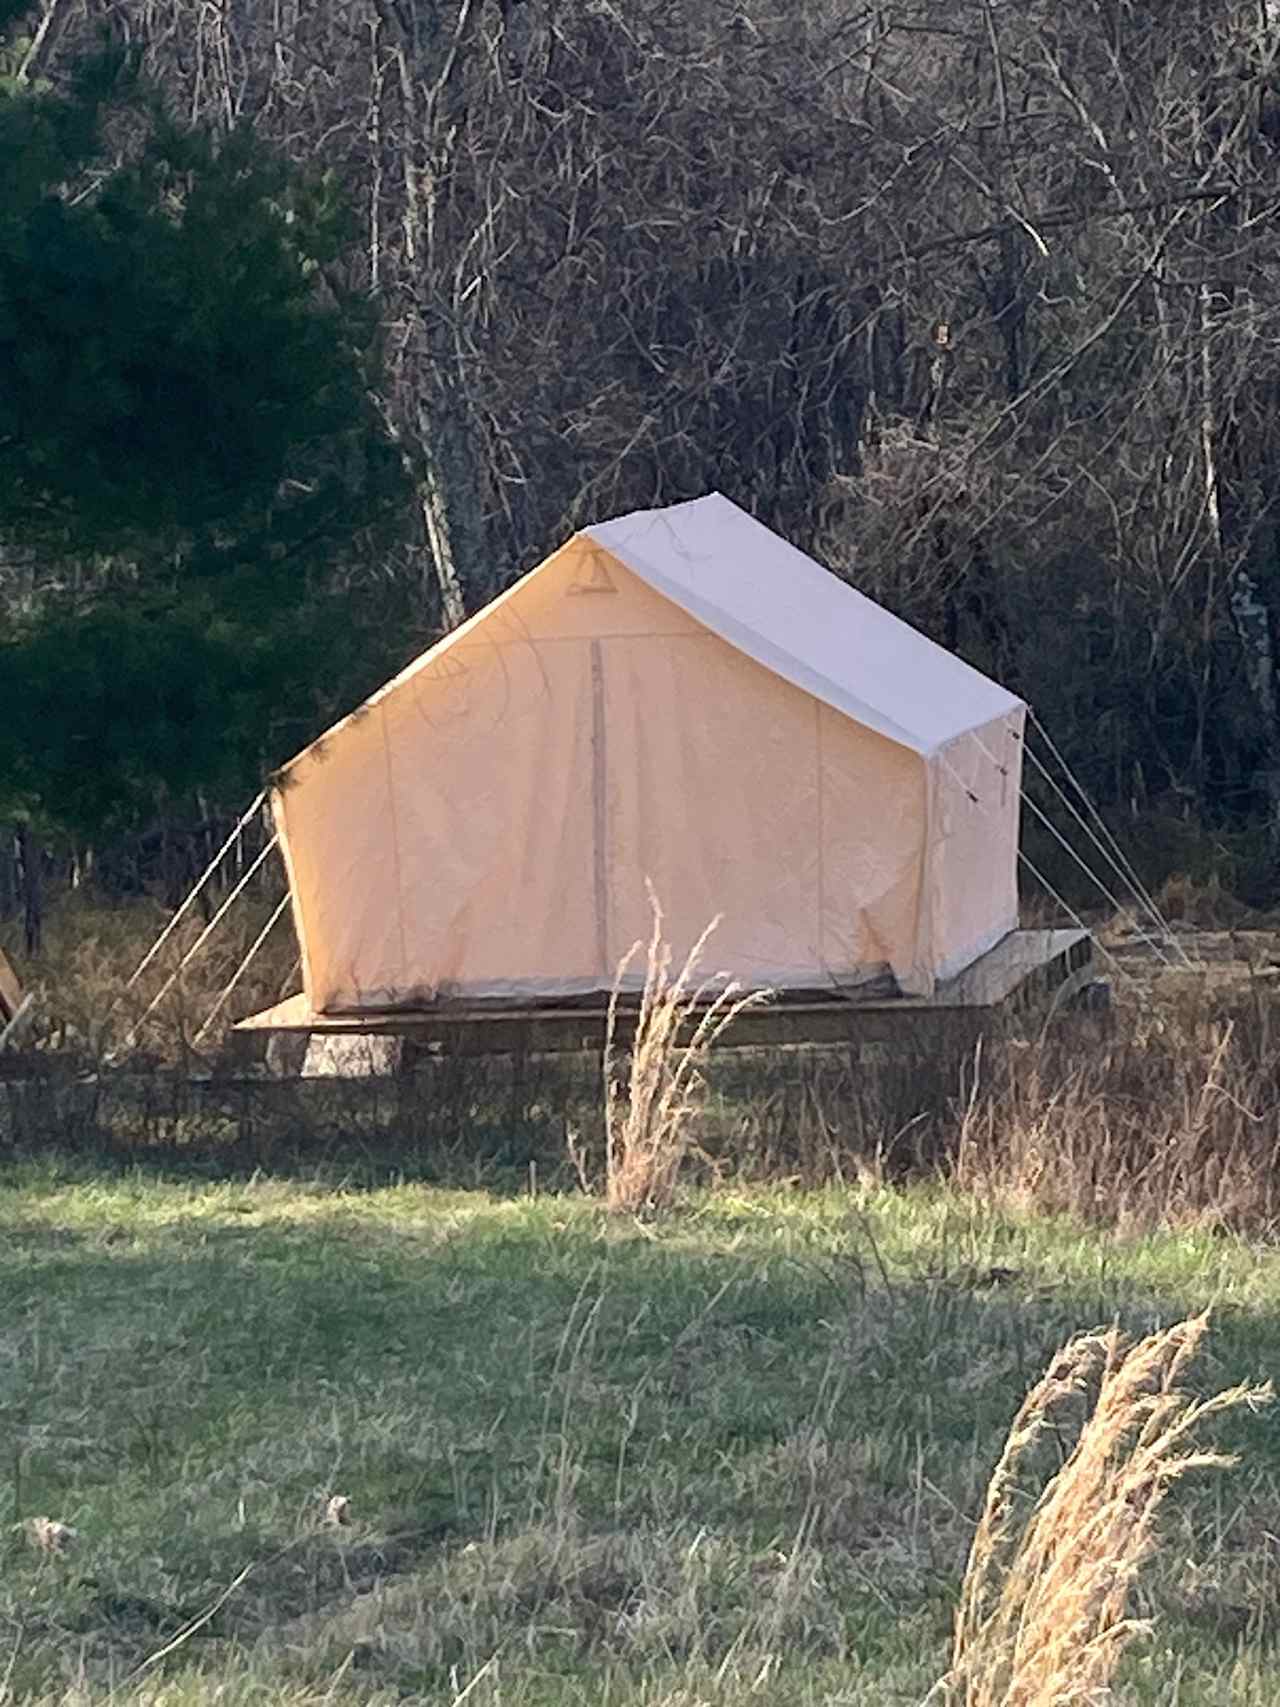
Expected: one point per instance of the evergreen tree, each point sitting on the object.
(187, 453)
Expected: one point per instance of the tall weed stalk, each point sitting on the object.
(652, 1099)
(1044, 1614)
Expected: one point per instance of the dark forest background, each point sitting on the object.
(322, 320)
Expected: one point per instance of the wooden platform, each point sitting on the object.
(1027, 969)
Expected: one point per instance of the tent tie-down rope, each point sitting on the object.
(1151, 941)
(1145, 903)
(1043, 881)
(1076, 920)
(1130, 880)
(190, 901)
(199, 943)
(1117, 858)
(11, 1027)
(1039, 876)
(243, 967)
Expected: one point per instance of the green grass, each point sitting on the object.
(732, 1456)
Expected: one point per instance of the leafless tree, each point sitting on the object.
(977, 298)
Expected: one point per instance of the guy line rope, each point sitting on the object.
(1140, 895)
(1043, 881)
(1040, 878)
(1093, 877)
(199, 943)
(1121, 863)
(208, 872)
(243, 967)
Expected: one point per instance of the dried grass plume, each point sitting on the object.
(1044, 1610)
(652, 1103)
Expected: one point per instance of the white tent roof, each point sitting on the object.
(777, 605)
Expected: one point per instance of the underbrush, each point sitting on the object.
(1168, 1118)
(1163, 1110)
(94, 1006)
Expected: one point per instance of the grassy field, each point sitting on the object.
(735, 1455)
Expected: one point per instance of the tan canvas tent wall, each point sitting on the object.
(679, 696)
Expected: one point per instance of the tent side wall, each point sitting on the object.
(975, 794)
(332, 810)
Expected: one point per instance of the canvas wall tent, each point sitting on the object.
(677, 695)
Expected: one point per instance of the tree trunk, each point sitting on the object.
(29, 856)
(433, 496)
(44, 40)
(429, 59)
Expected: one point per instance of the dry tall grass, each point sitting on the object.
(651, 1107)
(88, 1013)
(1137, 1122)
(1044, 1614)
(1159, 1113)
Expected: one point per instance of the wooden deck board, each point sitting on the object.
(1025, 964)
